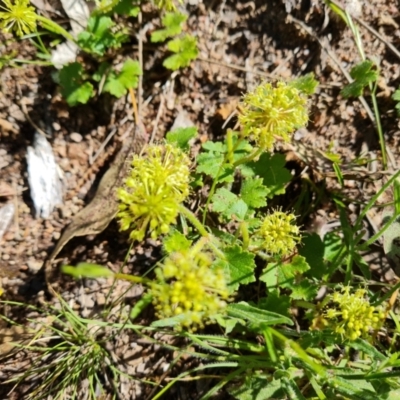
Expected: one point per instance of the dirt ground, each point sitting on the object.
(240, 44)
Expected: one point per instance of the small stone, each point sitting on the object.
(101, 299)
(76, 137)
(34, 265)
(56, 126)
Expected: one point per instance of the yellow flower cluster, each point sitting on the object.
(278, 234)
(156, 186)
(188, 287)
(353, 316)
(19, 17)
(270, 111)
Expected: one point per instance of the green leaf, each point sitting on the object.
(176, 241)
(284, 275)
(74, 88)
(99, 37)
(391, 245)
(306, 84)
(87, 270)
(103, 69)
(173, 26)
(332, 246)
(181, 137)
(118, 83)
(254, 193)
(229, 205)
(239, 265)
(179, 320)
(127, 7)
(363, 74)
(256, 318)
(313, 250)
(210, 162)
(396, 98)
(257, 387)
(271, 168)
(140, 305)
(275, 302)
(304, 290)
(185, 49)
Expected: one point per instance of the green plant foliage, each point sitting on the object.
(313, 250)
(212, 162)
(185, 49)
(396, 98)
(99, 36)
(74, 87)
(88, 270)
(290, 276)
(271, 168)
(255, 318)
(239, 265)
(306, 84)
(173, 27)
(254, 193)
(118, 83)
(121, 7)
(181, 137)
(229, 205)
(176, 241)
(363, 74)
(257, 387)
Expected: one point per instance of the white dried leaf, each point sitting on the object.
(43, 177)
(78, 12)
(6, 216)
(64, 53)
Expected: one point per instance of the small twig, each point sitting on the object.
(140, 50)
(16, 213)
(159, 112)
(237, 67)
(25, 111)
(103, 145)
(134, 106)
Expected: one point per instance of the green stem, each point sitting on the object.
(194, 221)
(248, 158)
(54, 27)
(202, 230)
(131, 278)
(379, 125)
(228, 158)
(317, 368)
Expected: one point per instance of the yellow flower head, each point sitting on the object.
(278, 234)
(189, 287)
(19, 17)
(270, 111)
(158, 183)
(351, 314)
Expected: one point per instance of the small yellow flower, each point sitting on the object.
(351, 315)
(188, 286)
(270, 111)
(19, 17)
(278, 233)
(158, 183)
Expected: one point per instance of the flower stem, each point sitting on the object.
(194, 221)
(54, 27)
